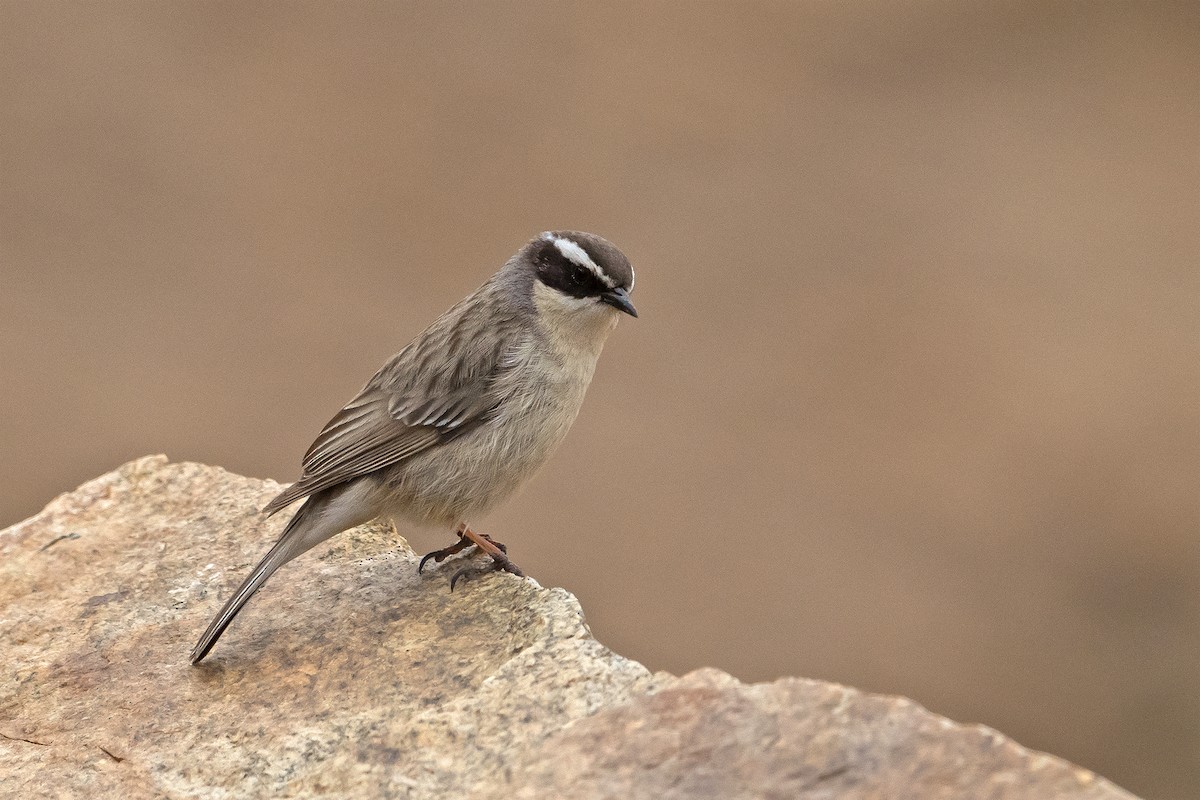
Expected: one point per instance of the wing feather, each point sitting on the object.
(402, 412)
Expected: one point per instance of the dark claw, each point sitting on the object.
(441, 555)
(497, 565)
(463, 573)
(463, 543)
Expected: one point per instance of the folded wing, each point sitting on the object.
(391, 420)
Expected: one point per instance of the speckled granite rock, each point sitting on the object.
(706, 735)
(353, 677)
(349, 670)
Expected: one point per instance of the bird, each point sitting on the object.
(465, 414)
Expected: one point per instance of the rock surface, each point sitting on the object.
(350, 675)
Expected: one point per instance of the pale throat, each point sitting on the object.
(574, 323)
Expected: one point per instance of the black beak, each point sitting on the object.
(618, 298)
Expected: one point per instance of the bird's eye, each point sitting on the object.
(579, 275)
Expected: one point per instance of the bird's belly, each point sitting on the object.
(473, 473)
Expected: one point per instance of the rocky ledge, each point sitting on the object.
(352, 676)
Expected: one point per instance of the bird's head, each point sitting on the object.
(579, 274)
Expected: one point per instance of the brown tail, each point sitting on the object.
(303, 531)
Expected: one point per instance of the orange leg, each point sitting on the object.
(482, 544)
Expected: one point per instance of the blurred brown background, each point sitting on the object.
(913, 401)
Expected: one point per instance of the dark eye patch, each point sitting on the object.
(561, 273)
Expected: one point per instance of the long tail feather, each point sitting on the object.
(303, 532)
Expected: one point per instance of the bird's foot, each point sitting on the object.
(500, 563)
(466, 538)
(439, 556)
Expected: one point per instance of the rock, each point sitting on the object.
(350, 675)
(708, 736)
